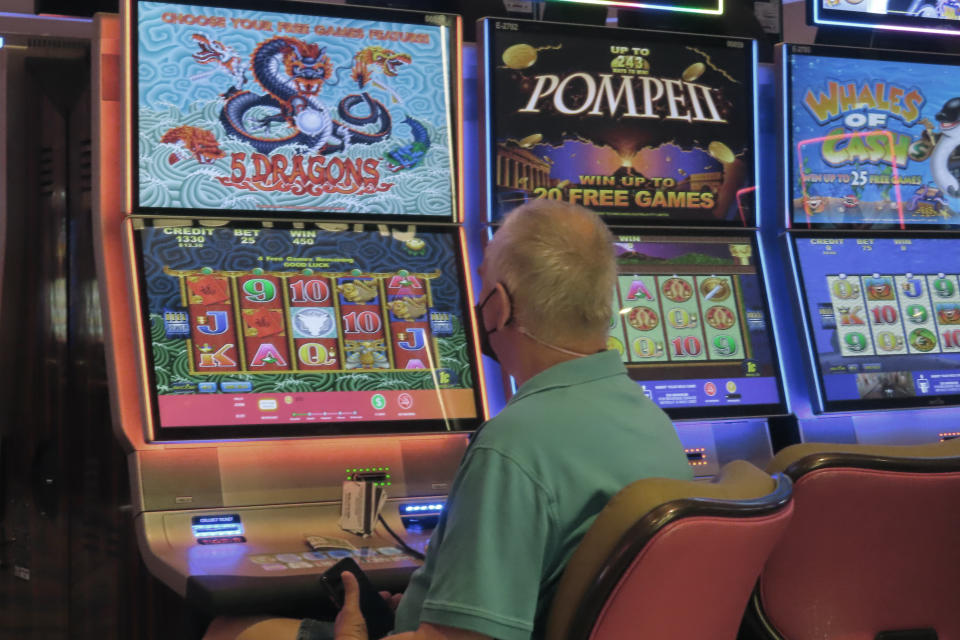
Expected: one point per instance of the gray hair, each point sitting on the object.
(557, 261)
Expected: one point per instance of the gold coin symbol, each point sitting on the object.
(519, 56)
(693, 72)
(721, 152)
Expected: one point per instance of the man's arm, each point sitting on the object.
(351, 626)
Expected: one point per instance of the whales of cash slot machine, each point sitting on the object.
(871, 199)
(285, 288)
(657, 133)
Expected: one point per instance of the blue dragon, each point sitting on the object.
(292, 73)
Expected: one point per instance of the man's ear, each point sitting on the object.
(504, 308)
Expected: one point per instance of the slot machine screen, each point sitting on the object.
(917, 16)
(351, 112)
(883, 316)
(692, 324)
(871, 142)
(639, 126)
(253, 330)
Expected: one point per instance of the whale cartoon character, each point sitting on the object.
(941, 166)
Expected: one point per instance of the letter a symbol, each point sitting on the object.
(639, 287)
(267, 354)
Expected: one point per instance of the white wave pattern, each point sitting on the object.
(176, 91)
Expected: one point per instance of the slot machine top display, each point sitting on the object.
(292, 110)
(871, 138)
(883, 318)
(642, 127)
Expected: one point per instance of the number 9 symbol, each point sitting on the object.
(855, 342)
(943, 287)
(724, 345)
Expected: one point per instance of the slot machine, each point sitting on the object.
(285, 287)
(871, 201)
(657, 133)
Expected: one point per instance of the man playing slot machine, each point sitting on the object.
(535, 476)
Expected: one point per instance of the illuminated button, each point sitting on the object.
(207, 387)
(236, 387)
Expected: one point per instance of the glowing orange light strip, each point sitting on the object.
(127, 36)
(140, 339)
(476, 340)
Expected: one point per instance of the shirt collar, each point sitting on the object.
(571, 372)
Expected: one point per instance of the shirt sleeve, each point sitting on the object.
(490, 561)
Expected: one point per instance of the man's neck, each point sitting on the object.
(535, 357)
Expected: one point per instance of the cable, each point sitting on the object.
(403, 545)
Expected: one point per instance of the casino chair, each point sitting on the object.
(873, 549)
(672, 559)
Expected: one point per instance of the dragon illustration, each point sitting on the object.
(292, 73)
(387, 60)
(409, 155)
(192, 141)
(216, 53)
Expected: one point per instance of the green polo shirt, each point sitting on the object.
(529, 487)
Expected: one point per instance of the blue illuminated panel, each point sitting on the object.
(422, 508)
(883, 319)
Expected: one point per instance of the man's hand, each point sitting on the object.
(392, 599)
(350, 624)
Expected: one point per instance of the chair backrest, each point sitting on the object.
(672, 559)
(874, 544)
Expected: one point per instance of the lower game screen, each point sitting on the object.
(884, 315)
(691, 322)
(257, 330)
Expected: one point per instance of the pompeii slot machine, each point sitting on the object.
(282, 262)
(656, 132)
(872, 199)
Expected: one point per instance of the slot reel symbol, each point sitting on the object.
(944, 288)
(917, 313)
(845, 290)
(680, 319)
(855, 342)
(647, 348)
(889, 342)
(724, 346)
(677, 290)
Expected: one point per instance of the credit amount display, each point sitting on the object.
(252, 325)
(691, 324)
(884, 314)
